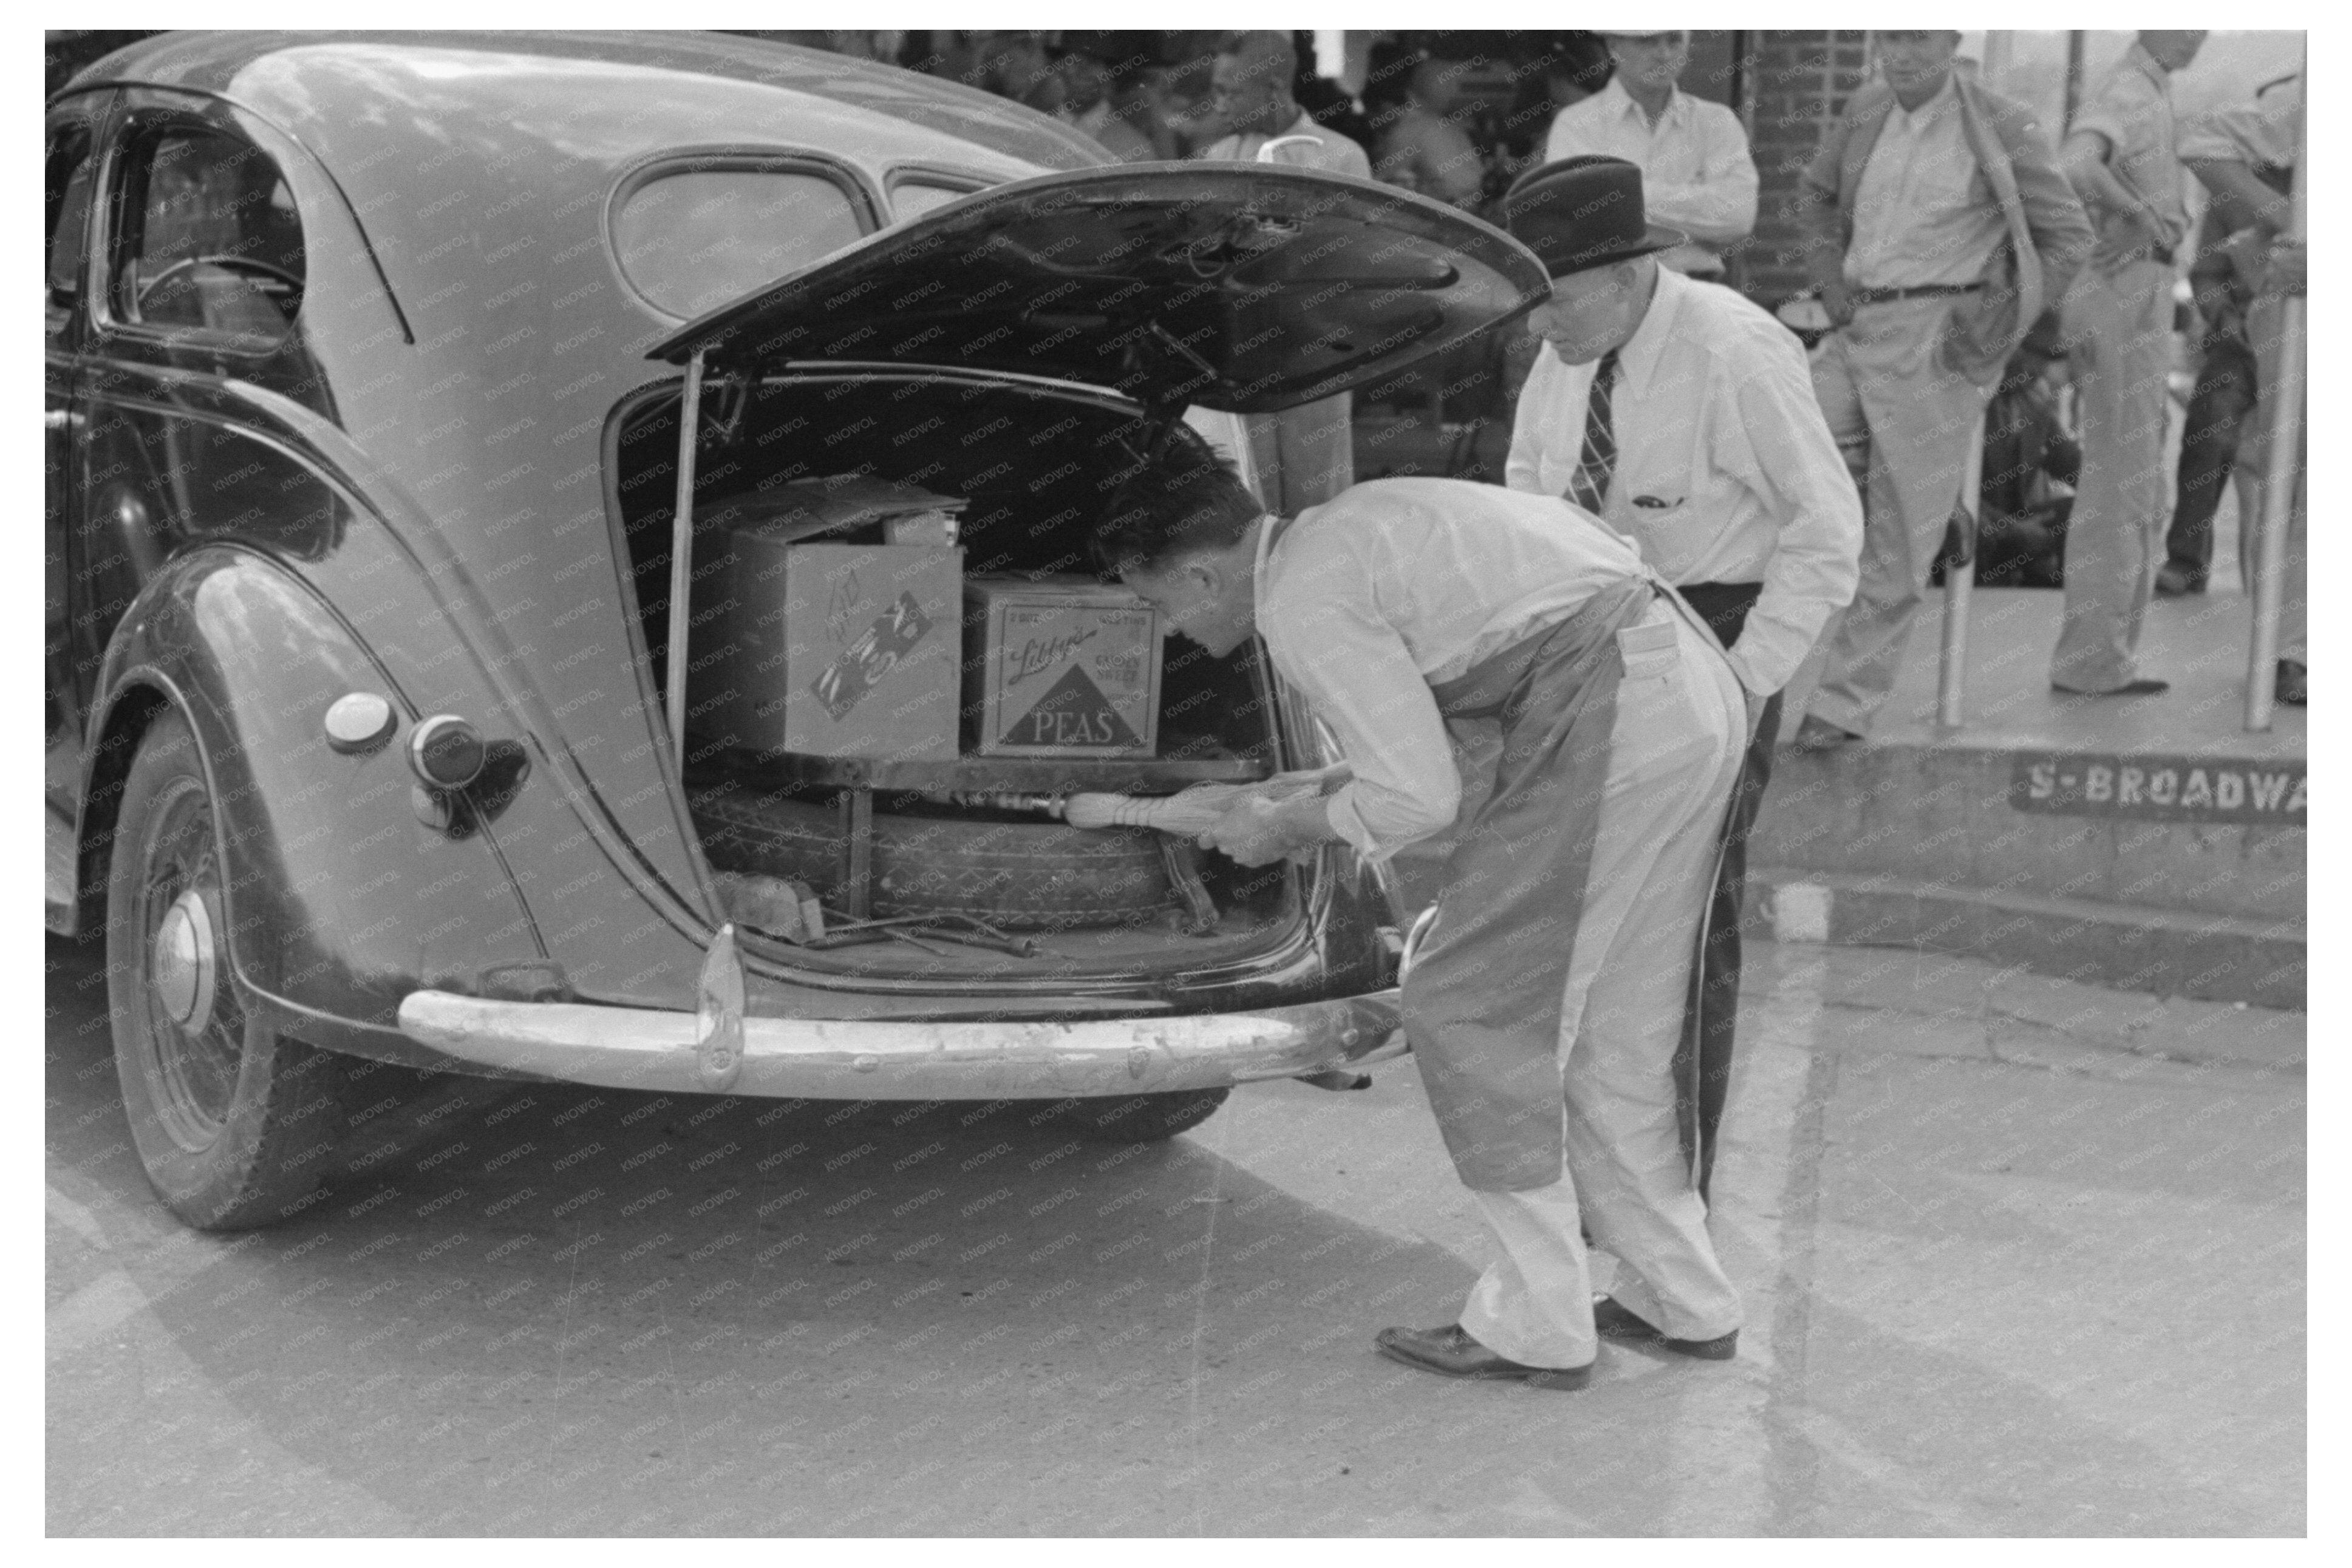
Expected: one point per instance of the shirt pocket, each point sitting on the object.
(1649, 651)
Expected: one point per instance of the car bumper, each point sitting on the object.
(624, 1048)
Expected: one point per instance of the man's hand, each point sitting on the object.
(2134, 237)
(1256, 831)
(1837, 300)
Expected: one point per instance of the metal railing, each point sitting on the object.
(1959, 581)
(2281, 469)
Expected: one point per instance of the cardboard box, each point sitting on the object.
(1059, 667)
(829, 650)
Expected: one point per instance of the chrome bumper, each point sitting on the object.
(817, 1059)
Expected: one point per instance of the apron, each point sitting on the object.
(1481, 1006)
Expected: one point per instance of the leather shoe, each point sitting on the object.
(2292, 679)
(1450, 1352)
(2173, 581)
(2145, 686)
(1618, 1322)
(1817, 734)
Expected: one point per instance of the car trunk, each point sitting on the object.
(1032, 463)
(1240, 289)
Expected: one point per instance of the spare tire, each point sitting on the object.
(1021, 874)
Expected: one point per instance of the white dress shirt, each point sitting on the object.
(1396, 585)
(1725, 470)
(1923, 211)
(1697, 174)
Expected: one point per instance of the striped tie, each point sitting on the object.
(1589, 487)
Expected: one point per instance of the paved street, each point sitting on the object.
(2020, 1256)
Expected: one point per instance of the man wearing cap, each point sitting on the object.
(2119, 155)
(1697, 174)
(1684, 418)
(1306, 454)
(1938, 226)
(1546, 1004)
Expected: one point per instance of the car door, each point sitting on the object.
(196, 276)
(72, 135)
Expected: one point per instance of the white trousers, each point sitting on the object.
(1674, 752)
(1905, 424)
(2121, 326)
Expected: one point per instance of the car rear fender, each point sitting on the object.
(342, 896)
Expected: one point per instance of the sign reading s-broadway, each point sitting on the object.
(2260, 791)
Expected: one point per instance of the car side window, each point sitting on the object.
(210, 240)
(691, 239)
(70, 170)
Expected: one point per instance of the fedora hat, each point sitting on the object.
(1583, 213)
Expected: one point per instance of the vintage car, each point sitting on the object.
(367, 358)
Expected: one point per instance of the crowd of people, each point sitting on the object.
(2040, 268)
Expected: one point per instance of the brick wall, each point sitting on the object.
(1797, 83)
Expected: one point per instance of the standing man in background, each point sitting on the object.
(1684, 418)
(2218, 409)
(1305, 455)
(1936, 226)
(1422, 150)
(1697, 174)
(2230, 151)
(2117, 320)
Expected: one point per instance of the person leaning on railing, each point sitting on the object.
(1937, 227)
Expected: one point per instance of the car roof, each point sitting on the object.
(616, 93)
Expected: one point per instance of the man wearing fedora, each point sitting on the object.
(1937, 227)
(1684, 418)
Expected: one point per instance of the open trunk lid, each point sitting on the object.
(1244, 288)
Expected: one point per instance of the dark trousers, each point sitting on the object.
(1724, 606)
(2209, 449)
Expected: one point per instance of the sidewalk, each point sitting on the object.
(2148, 843)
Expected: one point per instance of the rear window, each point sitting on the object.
(691, 241)
(214, 244)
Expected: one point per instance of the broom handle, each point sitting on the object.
(1144, 810)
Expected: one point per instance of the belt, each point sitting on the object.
(1921, 291)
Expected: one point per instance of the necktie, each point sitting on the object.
(1588, 486)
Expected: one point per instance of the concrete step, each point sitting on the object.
(2192, 832)
(2135, 947)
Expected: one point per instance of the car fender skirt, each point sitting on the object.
(643, 1049)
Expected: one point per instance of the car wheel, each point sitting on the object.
(1141, 1118)
(235, 1125)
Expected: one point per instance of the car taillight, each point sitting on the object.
(446, 751)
